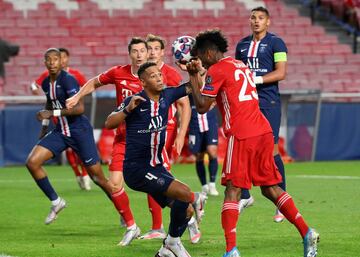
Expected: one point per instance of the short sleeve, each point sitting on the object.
(72, 86)
(213, 82)
(107, 77)
(80, 78)
(41, 78)
(174, 93)
(279, 49)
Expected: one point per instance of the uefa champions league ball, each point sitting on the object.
(181, 48)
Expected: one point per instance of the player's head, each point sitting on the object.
(52, 60)
(65, 54)
(138, 51)
(259, 20)
(210, 47)
(156, 46)
(151, 77)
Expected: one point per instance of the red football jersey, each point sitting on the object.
(126, 83)
(77, 74)
(171, 78)
(230, 81)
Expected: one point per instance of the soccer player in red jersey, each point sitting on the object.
(81, 176)
(156, 48)
(249, 157)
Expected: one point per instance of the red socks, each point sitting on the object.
(121, 202)
(287, 207)
(156, 213)
(71, 157)
(229, 218)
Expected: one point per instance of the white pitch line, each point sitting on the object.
(325, 177)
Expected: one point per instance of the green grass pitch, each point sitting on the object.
(327, 194)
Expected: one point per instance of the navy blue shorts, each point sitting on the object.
(81, 141)
(198, 141)
(151, 180)
(273, 115)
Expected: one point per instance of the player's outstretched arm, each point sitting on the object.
(118, 116)
(88, 88)
(44, 122)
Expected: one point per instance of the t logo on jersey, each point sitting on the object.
(126, 92)
(56, 105)
(155, 123)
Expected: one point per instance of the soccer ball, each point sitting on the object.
(181, 48)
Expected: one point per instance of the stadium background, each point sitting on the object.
(322, 70)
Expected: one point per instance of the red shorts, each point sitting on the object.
(118, 154)
(250, 161)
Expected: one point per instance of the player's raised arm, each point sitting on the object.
(120, 114)
(203, 103)
(88, 88)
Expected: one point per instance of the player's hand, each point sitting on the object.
(194, 66)
(134, 102)
(72, 101)
(179, 144)
(182, 66)
(43, 114)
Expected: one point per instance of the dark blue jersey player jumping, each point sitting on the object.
(72, 130)
(266, 55)
(146, 116)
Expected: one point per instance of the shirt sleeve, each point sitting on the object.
(107, 77)
(213, 82)
(41, 78)
(72, 86)
(80, 78)
(174, 93)
(280, 50)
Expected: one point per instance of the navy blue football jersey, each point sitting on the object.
(261, 57)
(146, 127)
(56, 93)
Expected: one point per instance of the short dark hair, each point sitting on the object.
(210, 39)
(261, 9)
(136, 40)
(154, 38)
(50, 50)
(144, 66)
(64, 50)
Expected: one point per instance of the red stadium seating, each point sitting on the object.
(96, 32)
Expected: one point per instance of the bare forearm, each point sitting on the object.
(89, 87)
(185, 114)
(201, 104)
(114, 120)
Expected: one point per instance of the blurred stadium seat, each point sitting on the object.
(96, 32)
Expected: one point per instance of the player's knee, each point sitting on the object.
(115, 185)
(189, 211)
(232, 193)
(32, 163)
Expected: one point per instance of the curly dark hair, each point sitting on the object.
(144, 66)
(210, 39)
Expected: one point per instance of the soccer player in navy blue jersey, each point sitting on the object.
(266, 56)
(146, 117)
(203, 138)
(72, 130)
